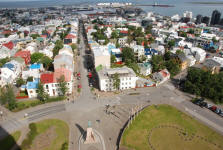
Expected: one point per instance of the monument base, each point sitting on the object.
(90, 137)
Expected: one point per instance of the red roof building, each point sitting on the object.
(25, 55)
(9, 45)
(70, 36)
(46, 78)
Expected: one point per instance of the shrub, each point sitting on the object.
(30, 137)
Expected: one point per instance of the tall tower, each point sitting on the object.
(198, 19)
(215, 18)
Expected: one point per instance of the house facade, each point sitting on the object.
(126, 75)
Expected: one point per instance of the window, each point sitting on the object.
(129, 78)
(47, 87)
(31, 91)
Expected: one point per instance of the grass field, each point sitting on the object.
(189, 134)
(50, 134)
(8, 142)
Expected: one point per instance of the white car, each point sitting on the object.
(209, 106)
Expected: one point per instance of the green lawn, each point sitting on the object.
(61, 134)
(21, 105)
(8, 142)
(169, 138)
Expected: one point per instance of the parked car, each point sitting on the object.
(221, 114)
(209, 106)
(198, 101)
(213, 108)
(203, 104)
(218, 111)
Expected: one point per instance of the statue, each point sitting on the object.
(90, 137)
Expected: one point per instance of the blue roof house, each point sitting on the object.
(32, 87)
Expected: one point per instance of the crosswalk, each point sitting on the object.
(11, 124)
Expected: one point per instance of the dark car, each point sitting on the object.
(203, 104)
(198, 101)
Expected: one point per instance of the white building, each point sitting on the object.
(51, 86)
(126, 75)
(122, 41)
(198, 53)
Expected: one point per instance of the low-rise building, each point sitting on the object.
(126, 75)
(145, 68)
(161, 77)
(51, 86)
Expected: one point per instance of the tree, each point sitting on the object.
(116, 81)
(114, 35)
(117, 45)
(167, 56)
(34, 36)
(47, 62)
(7, 97)
(4, 61)
(113, 59)
(73, 46)
(35, 57)
(62, 85)
(128, 55)
(157, 63)
(178, 52)
(171, 43)
(172, 66)
(57, 47)
(29, 79)
(191, 31)
(148, 29)
(19, 82)
(214, 40)
(42, 95)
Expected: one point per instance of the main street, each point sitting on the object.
(87, 107)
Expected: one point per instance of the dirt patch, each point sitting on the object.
(44, 140)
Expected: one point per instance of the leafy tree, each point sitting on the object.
(29, 79)
(191, 31)
(171, 43)
(214, 40)
(178, 52)
(35, 57)
(117, 45)
(19, 82)
(73, 46)
(4, 61)
(57, 47)
(42, 95)
(167, 56)
(7, 97)
(148, 29)
(6, 35)
(114, 35)
(116, 81)
(128, 55)
(202, 83)
(157, 63)
(113, 59)
(172, 66)
(34, 36)
(47, 62)
(63, 85)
